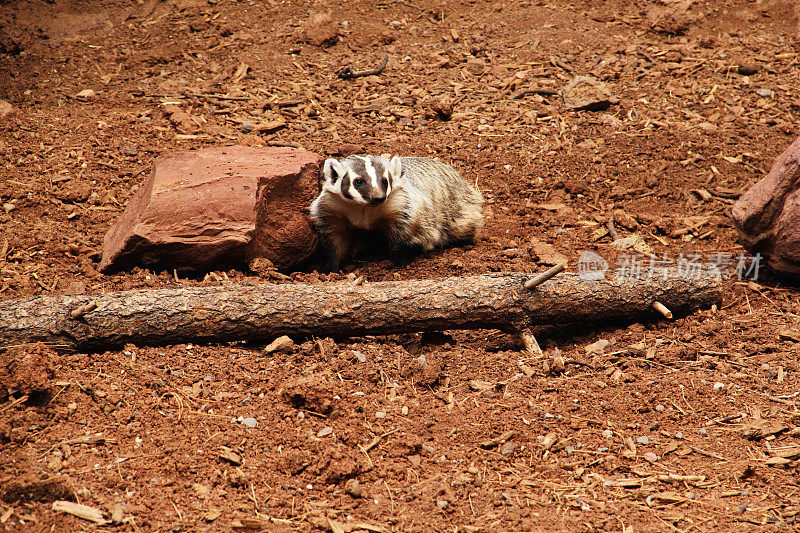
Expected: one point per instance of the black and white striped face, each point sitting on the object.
(362, 179)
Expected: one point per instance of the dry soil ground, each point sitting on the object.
(687, 425)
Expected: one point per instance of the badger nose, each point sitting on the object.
(378, 199)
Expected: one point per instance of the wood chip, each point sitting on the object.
(664, 498)
(549, 440)
(229, 455)
(789, 335)
(81, 511)
(791, 452)
(496, 441)
(761, 429)
(531, 345)
(478, 385)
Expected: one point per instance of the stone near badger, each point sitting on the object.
(217, 208)
(767, 216)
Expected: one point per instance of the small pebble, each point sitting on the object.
(380, 414)
(743, 508)
(702, 432)
(719, 385)
(441, 504)
(602, 449)
(250, 422)
(309, 486)
(644, 440)
(324, 432)
(691, 495)
(353, 488)
(508, 448)
(660, 408)
(247, 126)
(569, 449)
(301, 415)
(404, 410)
(766, 93)
(747, 69)
(208, 379)
(607, 433)
(360, 356)
(678, 435)
(650, 457)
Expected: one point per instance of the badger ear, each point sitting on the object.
(395, 167)
(332, 170)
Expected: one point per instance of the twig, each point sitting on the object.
(708, 454)
(376, 440)
(612, 231)
(544, 276)
(82, 310)
(348, 73)
(725, 419)
(196, 95)
(543, 92)
(661, 308)
(14, 402)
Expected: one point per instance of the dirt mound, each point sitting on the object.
(28, 369)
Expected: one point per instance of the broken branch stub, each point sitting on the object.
(264, 311)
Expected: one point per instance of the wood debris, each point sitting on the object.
(86, 512)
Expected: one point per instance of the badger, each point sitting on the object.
(415, 203)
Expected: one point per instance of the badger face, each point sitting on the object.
(366, 180)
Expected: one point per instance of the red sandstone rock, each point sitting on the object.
(767, 216)
(320, 30)
(217, 208)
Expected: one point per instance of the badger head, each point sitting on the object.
(362, 179)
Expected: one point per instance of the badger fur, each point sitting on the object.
(416, 203)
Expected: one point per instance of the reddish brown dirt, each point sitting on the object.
(138, 433)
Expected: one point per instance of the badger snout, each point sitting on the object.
(377, 199)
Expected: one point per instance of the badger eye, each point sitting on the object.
(385, 183)
(358, 182)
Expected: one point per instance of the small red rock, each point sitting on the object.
(6, 110)
(216, 208)
(767, 216)
(320, 30)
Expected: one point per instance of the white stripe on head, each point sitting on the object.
(352, 189)
(371, 172)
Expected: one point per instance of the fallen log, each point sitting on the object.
(263, 311)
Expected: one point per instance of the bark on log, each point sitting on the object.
(264, 311)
